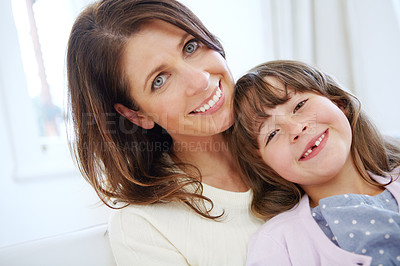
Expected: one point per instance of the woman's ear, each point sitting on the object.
(136, 117)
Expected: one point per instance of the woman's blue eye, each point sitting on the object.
(159, 81)
(191, 46)
(299, 105)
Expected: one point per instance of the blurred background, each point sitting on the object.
(41, 192)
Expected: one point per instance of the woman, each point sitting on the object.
(150, 96)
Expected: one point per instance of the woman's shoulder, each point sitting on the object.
(174, 226)
(136, 223)
(139, 234)
(135, 214)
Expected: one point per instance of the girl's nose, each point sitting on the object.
(296, 130)
(195, 80)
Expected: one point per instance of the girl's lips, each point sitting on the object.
(217, 98)
(315, 145)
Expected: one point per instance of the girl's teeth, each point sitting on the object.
(316, 144)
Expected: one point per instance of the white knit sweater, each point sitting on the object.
(173, 234)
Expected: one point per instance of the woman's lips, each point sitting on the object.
(315, 146)
(212, 104)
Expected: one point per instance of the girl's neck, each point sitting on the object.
(348, 181)
(213, 158)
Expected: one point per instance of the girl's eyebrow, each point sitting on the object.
(265, 134)
(264, 122)
(268, 117)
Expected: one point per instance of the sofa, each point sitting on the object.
(85, 247)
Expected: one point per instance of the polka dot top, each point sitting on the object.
(362, 224)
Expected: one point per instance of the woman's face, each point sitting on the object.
(306, 140)
(178, 82)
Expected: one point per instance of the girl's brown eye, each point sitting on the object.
(273, 133)
(299, 105)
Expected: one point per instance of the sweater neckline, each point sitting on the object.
(226, 197)
(221, 196)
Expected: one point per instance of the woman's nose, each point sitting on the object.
(195, 80)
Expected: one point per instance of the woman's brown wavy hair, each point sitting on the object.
(273, 194)
(123, 162)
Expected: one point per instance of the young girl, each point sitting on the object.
(318, 167)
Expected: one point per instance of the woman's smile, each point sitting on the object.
(211, 104)
(192, 87)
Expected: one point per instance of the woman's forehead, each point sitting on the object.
(156, 27)
(148, 51)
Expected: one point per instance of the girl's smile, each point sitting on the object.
(315, 146)
(307, 139)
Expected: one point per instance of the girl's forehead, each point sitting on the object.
(278, 87)
(274, 81)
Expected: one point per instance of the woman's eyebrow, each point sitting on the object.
(182, 42)
(160, 67)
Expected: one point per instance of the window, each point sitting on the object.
(36, 111)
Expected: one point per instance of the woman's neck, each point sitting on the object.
(213, 158)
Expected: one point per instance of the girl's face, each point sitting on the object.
(306, 140)
(178, 82)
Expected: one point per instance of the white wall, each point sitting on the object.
(357, 41)
(40, 207)
(241, 27)
(375, 38)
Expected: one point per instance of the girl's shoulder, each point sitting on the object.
(290, 219)
(393, 176)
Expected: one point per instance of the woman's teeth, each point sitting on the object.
(211, 103)
(316, 144)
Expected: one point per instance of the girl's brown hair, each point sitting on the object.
(123, 162)
(272, 193)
